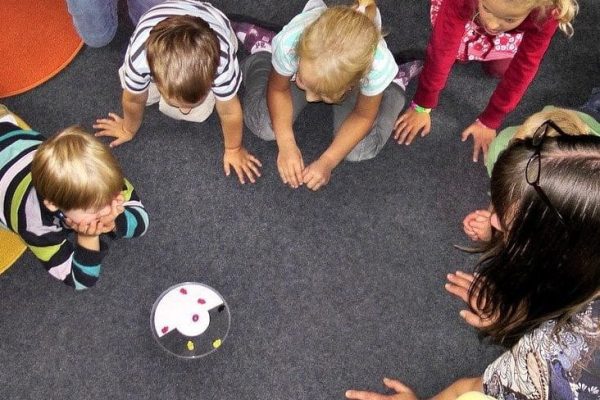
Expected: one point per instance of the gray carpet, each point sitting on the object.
(328, 290)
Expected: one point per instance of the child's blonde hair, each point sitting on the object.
(565, 119)
(183, 55)
(562, 10)
(341, 45)
(74, 170)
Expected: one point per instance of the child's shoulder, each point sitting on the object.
(285, 41)
(301, 21)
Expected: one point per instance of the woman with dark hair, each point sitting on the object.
(537, 285)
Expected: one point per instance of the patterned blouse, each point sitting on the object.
(544, 366)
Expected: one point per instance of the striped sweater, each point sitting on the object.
(43, 231)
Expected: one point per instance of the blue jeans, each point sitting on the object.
(96, 20)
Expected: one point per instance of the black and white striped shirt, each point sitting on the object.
(137, 71)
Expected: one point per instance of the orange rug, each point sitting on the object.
(37, 40)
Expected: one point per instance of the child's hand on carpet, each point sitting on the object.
(243, 163)
(482, 137)
(317, 174)
(113, 126)
(409, 124)
(290, 165)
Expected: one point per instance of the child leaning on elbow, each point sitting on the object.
(69, 183)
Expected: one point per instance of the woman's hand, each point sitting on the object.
(403, 392)
(477, 225)
(459, 284)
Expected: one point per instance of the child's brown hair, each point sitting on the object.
(341, 44)
(74, 170)
(183, 55)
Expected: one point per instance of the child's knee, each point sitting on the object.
(259, 125)
(360, 153)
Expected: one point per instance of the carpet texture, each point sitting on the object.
(327, 291)
(38, 40)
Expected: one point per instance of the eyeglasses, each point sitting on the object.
(534, 165)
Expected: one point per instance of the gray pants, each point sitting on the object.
(256, 69)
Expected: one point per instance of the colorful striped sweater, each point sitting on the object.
(22, 211)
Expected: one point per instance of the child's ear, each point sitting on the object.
(495, 222)
(50, 206)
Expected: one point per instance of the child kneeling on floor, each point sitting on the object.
(334, 55)
(182, 55)
(69, 183)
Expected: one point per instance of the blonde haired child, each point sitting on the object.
(68, 183)
(182, 55)
(510, 37)
(336, 55)
(585, 121)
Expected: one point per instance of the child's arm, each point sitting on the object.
(76, 264)
(354, 128)
(439, 58)
(403, 392)
(124, 129)
(520, 72)
(511, 88)
(279, 102)
(236, 156)
(131, 217)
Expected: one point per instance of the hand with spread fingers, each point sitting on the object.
(410, 124)
(243, 163)
(113, 127)
(459, 284)
(482, 138)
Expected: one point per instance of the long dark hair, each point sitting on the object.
(541, 267)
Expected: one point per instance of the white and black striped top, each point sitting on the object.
(137, 71)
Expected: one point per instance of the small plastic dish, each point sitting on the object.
(190, 320)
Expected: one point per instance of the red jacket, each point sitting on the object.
(443, 47)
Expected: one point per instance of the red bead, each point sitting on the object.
(195, 317)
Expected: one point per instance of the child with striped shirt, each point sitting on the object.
(69, 183)
(182, 55)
